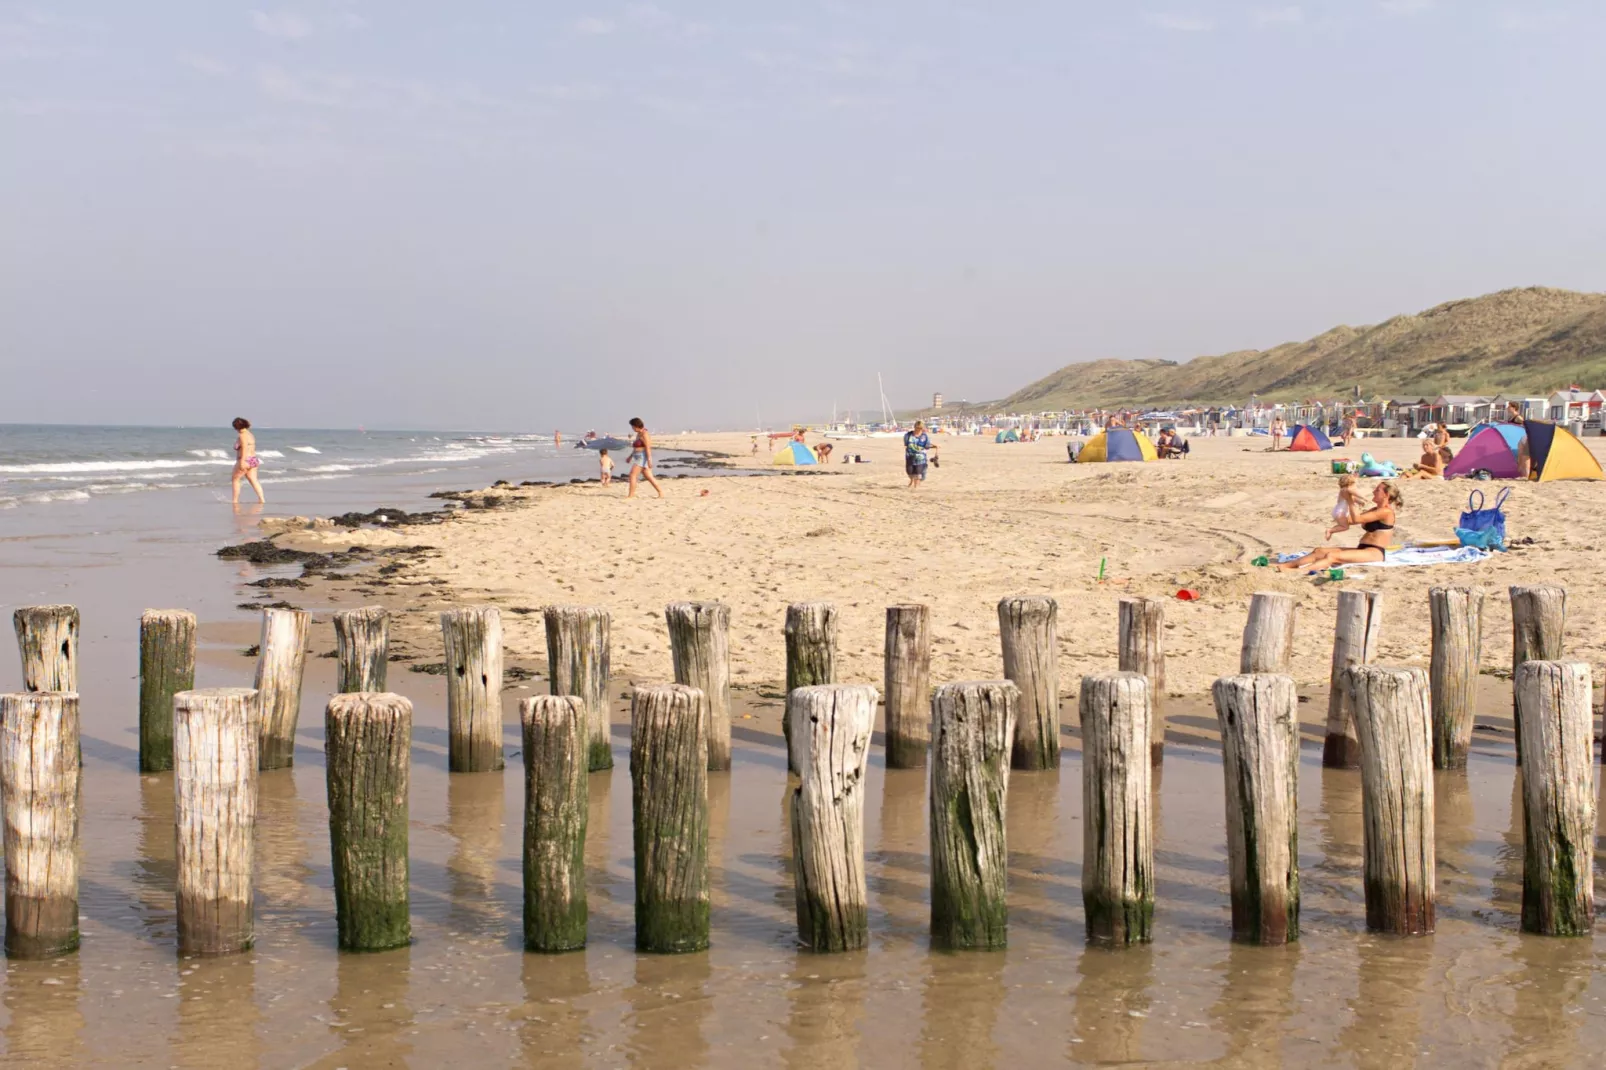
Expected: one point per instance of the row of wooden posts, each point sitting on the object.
(1395, 723)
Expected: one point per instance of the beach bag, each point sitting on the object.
(1480, 527)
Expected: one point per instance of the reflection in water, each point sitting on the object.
(369, 1010)
(719, 813)
(553, 1031)
(282, 852)
(217, 1013)
(669, 1006)
(1112, 1000)
(825, 1006)
(1256, 1000)
(959, 1009)
(1454, 840)
(47, 1021)
(599, 801)
(1038, 878)
(1384, 1030)
(1507, 892)
(1547, 991)
(474, 807)
(898, 869)
(155, 871)
(1340, 826)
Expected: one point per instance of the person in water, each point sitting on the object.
(641, 458)
(246, 461)
(1377, 523)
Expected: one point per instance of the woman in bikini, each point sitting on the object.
(641, 459)
(1378, 525)
(245, 459)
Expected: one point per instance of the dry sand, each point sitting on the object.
(993, 520)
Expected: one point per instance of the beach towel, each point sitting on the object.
(1410, 556)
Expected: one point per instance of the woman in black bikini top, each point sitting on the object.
(1377, 523)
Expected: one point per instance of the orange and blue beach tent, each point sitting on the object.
(1307, 439)
(1117, 444)
(1554, 453)
(794, 452)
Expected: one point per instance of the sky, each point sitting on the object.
(521, 216)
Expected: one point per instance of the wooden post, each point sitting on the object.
(48, 639)
(1538, 620)
(973, 728)
(1558, 780)
(810, 656)
(362, 643)
(1117, 827)
(1360, 619)
(578, 649)
(907, 678)
(1393, 718)
(1026, 628)
(1142, 649)
(166, 667)
(832, 725)
(39, 786)
(1259, 717)
(280, 665)
(669, 790)
(556, 738)
(1457, 650)
(699, 646)
(368, 751)
(473, 640)
(1269, 634)
(214, 809)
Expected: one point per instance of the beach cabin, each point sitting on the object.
(1460, 411)
(1573, 405)
(1530, 408)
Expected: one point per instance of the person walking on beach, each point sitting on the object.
(606, 464)
(916, 450)
(245, 459)
(641, 458)
(1276, 434)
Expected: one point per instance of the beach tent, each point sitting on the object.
(1307, 439)
(1010, 435)
(1490, 448)
(794, 452)
(1556, 454)
(1117, 444)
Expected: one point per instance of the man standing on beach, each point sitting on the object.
(916, 446)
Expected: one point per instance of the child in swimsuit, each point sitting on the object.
(1346, 494)
(607, 466)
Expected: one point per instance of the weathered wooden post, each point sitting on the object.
(669, 791)
(1393, 717)
(362, 644)
(1259, 717)
(214, 809)
(1027, 630)
(39, 786)
(578, 650)
(1142, 649)
(166, 667)
(1457, 650)
(699, 646)
(1558, 781)
(973, 725)
(906, 667)
(47, 636)
(556, 741)
(1117, 826)
(280, 665)
(1538, 622)
(831, 729)
(1269, 634)
(1360, 620)
(368, 760)
(473, 641)
(810, 656)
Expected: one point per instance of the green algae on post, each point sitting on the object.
(166, 667)
(1117, 824)
(1027, 633)
(555, 814)
(40, 775)
(367, 748)
(831, 732)
(1259, 722)
(669, 798)
(578, 650)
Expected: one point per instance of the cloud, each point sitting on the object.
(578, 91)
(1177, 23)
(212, 68)
(1406, 7)
(1279, 16)
(595, 27)
(365, 93)
(1525, 21)
(639, 18)
(283, 25)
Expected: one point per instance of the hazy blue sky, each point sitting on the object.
(513, 215)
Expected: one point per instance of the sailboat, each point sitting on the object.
(888, 428)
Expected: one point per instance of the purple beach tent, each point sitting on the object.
(1490, 448)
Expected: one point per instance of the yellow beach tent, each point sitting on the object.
(1556, 454)
(1117, 444)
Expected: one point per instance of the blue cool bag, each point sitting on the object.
(1483, 528)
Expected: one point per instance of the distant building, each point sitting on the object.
(936, 401)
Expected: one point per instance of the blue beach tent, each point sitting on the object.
(794, 452)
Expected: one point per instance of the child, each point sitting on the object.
(607, 466)
(1346, 495)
